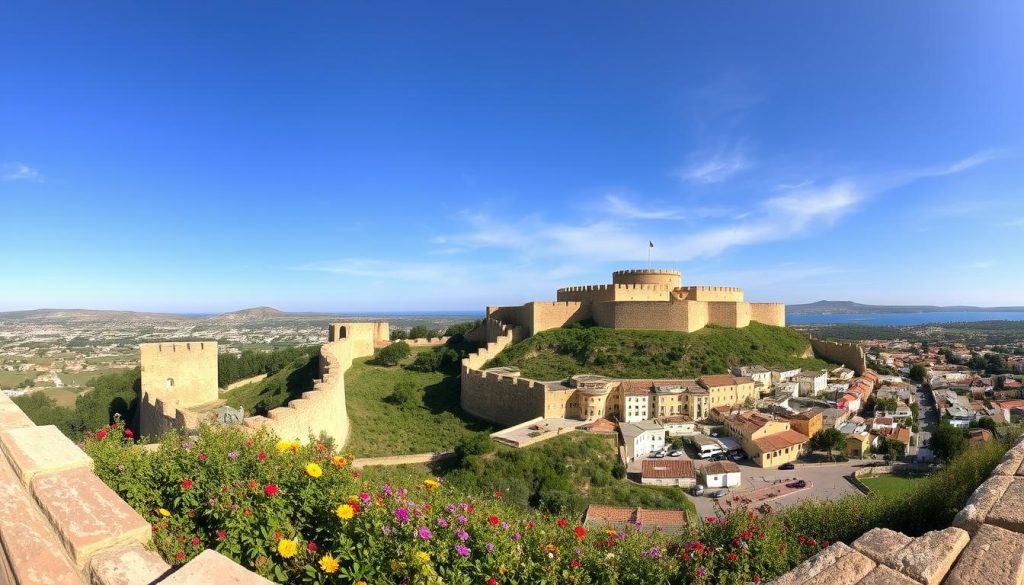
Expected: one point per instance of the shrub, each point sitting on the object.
(392, 354)
(406, 394)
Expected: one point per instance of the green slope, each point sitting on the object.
(558, 353)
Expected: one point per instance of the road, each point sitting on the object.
(929, 418)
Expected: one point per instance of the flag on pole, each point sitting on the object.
(650, 243)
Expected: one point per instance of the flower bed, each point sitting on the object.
(299, 514)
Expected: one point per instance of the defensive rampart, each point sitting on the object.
(504, 399)
(769, 313)
(850, 355)
(61, 525)
(984, 545)
(427, 341)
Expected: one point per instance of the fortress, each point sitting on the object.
(179, 386)
(643, 299)
(636, 299)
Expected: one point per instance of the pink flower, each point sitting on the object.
(101, 435)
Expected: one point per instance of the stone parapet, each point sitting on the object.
(984, 545)
(61, 525)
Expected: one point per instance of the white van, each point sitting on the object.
(709, 451)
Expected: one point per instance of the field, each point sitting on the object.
(12, 379)
(82, 379)
(623, 353)
(378, 427)
(892, 485)
(63, 396)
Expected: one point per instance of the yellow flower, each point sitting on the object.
(163, 512)
(313, 470)
(287, 548)
(431, 484)
(395, 565)
(340, 461)
(283, 446)
(345, 512)
(328, 564)
(423, 557)
(360, 582)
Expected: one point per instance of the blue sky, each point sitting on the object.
(357, 156)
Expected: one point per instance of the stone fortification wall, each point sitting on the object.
(597, 293)
(506, 400)
(669, 278)
(61, 525)
(984, 545)
(728, 313)
(250, 380)
(365, 336)
(849, 354)
(542, 316)
(182, 373)
(427, 341)
(768, 313)
(710, 293)
(659, 315)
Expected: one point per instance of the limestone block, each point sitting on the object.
(881, 543)
(33, 450)
(11, 417)
(836, 565)
(1008, 511)
(973, 514)
(929, 557)
(995, 556)
(1011, 461)
(127, 565)
(31, 552)
(87, 515)
(882, 575)
(213, 568)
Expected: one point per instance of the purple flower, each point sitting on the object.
(463, 535)
(490, 547)
(424, 533)
(504, 525)
(516, 537)
(462, 550)
(461, 519)
(450, 508)
(386, 529)
(700, 571)
(186, 445)
(402, 515)
(233, 455)
(386, 489)
(402, 492)
(442, 523)
(652, 553)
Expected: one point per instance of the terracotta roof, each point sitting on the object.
(648, 385)
(717, 380)
(749, 422)
(668, 468)
(650, 518)
(603, 425)
(676, 418)
(807, 414)
(780, 440)
(1010, 404)
(720, 467)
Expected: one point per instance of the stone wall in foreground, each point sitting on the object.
(984, 545)
(61, 525)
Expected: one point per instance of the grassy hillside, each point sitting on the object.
(558, 353)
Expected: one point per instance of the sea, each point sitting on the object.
(905, 318)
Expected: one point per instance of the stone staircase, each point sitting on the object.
(984, 545)
(61, 525)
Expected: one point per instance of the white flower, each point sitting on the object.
(609, 556)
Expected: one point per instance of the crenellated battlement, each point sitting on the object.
(648, 271)
(614, 287)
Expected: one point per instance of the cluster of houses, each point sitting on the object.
(963, 397)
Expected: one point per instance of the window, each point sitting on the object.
(170, 383)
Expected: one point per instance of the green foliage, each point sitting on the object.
(918, 372)
(399, 334)
(406, 394)
(232, 368)
(421, 332)
(558, 353)
(286, 384)
(474, 445)
(984, 423)
(828, 440)
(437, 359)
(947, 441)
(112, 394)
(392, 354)
(459, 330)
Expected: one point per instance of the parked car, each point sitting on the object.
(657, 455)
(737, 456)
(798, 484)
(787, 466)
(698, 490)
(675, 454)
(718, 494)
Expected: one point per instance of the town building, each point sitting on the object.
(621, 519)
(641, 438)
(671, 472)
(721, 474)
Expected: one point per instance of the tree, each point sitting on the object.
(421, 332)
(392, 354)
(918, 372)
(947, 441)
(405, 394)
(984, 423)
(475, 444)
(398, 334)
(828, 440)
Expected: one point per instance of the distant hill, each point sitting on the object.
(852, 308)
(255, 313)
(628, 353)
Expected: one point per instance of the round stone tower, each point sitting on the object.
(670, 278)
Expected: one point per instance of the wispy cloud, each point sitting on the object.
(626, 209)
(16, 171)
(715, 167)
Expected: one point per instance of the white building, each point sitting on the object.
(641, 438)
(812, 382)
(757, 373)
(721, 474)
(784, 375)
(637, 406)
(679, 425)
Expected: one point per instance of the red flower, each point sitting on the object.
(355, 475)
(270, 490)
(492, 581)
(195, 541)
(278, 535)
(101, 435)
(745, 534)
(825, 543)
(731, 556)
(311, 547)
(782, 547)
(499, 494)
(179, 555)
(580, 531)
(221, 535)
(575, 563)
(492, 520)
(469, 508)
(186, 483)
(757, 579)
(128, 433)
(261, 456)
(562, 522)
(202, 456)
